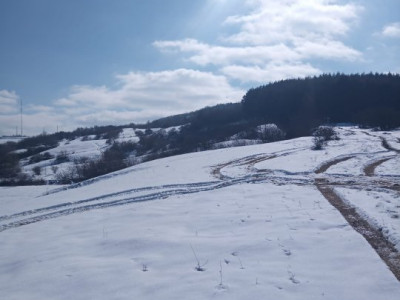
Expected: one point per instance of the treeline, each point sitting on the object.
(297, 105)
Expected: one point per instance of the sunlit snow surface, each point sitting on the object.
(251, 217)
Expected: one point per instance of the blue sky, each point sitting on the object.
(95, 62)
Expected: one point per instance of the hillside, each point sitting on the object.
(370, 100)
(274, 219)
(299, 105)
(285, 109)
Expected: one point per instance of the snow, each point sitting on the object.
(79, 148)
(15, 139)
(283, 252)
(390, 167)
(353, 143)
(250, 216)
(127, 135)
(82, 147)
(380, 208)
(235, 143)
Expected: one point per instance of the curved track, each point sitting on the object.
(369, 170)
(249, 173)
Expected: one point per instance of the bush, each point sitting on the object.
(9, 165)
(270, 133)
(40, 157)
(319, 143)
(327, 133)
(62, 157)
(110, 161)
(37, 170)
(54, 169)
(112, 135)
(20, 180)
(322, 135)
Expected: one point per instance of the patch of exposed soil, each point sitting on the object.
(387, 146)
(375, 238)
(369, 170)
(325, 166)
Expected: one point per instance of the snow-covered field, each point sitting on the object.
(238, 223)
(15, 139)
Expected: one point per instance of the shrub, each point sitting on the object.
(40, 157)
(328, 133)
(318, 143)
(54, 169)
(37, 170)
(270, 133)
(62, 157)
(322, 135)
(9, 165)
(84, 168)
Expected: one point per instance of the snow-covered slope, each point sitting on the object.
(239, 223)
(86, 147)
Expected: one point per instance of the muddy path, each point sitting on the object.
(325, 166)
(369, 170)
(249, 162)
(246, 162)
(383, 247)
(384, 142)
(387, 146)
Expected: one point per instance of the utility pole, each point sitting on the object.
(21, 120)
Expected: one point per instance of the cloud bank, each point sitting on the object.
(277, 40)
(392, 30)
(138, 97)
(274, 40)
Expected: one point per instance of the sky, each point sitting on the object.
(81, 63)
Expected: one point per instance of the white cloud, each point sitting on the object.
(273, 40)
(174, 90)
(284, 35)
(326, 49)
(8, 102)
(269, 73)
(40, 108)
(275, 21)
(204, 54)
(138, 97)
(392, 30)
(33, 123)
(143, 96)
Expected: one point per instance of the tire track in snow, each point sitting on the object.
(325, 185)
(104, 197)
(250, 161)
(387, 146)
(326, 165)
(383, 247)
(369, 170)
(52, 212)
(69, 208)
(254, 176)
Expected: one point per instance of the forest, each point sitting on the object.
(297, 105)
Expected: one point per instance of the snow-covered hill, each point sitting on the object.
(86, 147)
(276, 221)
